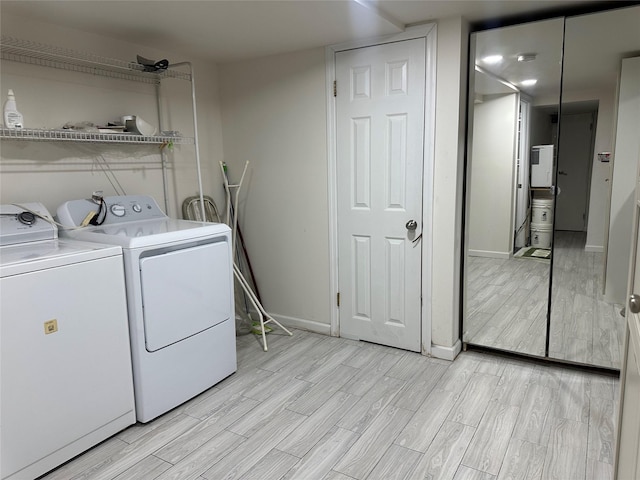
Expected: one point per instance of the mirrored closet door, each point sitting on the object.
(550, 186)
(597, 158)
(514, 105)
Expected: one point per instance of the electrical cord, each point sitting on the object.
(102, 211)
(43, 217)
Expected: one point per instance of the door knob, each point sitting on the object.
(411, 225)
(634, 303)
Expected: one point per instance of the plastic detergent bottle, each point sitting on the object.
(12, 117)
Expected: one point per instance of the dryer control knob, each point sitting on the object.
(136, 208)
(27, 218)
(118, 210)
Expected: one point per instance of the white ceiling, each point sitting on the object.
(231, 30)
(595, 45)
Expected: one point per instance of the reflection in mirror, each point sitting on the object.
(592, 237)
(515, 90)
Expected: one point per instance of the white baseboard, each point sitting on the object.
(302, 324)
(446, 353)
(594, 248)
(437, 351)
(488, 253)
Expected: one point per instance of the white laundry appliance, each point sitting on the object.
(179, 293)
(541, 161)
(66, 378)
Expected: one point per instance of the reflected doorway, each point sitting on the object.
(574, 170)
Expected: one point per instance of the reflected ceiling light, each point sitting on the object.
(492, 59)
(527, 57)
(529, 83)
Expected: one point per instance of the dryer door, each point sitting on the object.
(185, 292)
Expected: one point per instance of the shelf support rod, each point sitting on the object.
(195, 137)
(163, 154)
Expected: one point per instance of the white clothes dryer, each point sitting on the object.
(179, 279)
(66, 378)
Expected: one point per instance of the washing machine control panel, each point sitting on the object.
(125, 208)
(24, 222)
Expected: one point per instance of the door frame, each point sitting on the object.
(429, 33)
(523, 147)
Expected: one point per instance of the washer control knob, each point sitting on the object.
(117, 210)
(136, 208)
(27, 218)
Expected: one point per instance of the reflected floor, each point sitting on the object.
(584, 327)
(507, 303)
(507, 298)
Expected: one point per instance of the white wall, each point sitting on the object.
(492, 168)
(274, 115)
(48, 98)
(451, 93)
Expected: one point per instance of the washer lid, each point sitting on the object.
(147, 232)
(34, 256)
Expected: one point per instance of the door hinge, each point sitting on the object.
(335, 88)
(338, 299)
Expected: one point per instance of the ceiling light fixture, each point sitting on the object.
(527, 57)
(492, 59)
(529, 83)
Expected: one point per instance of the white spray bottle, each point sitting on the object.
(12, 117)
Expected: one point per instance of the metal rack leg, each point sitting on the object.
(262, 313)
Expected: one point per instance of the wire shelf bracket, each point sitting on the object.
(32, 134)
(34, 53)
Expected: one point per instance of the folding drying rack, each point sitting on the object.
(232, 221)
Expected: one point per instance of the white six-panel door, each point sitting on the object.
(380, 150)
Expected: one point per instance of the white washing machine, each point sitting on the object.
(66, 377)
(179, 280)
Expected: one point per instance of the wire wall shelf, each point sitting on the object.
(91, 137)
(24, 51)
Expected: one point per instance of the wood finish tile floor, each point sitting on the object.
(507, 305)
(317, 407)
